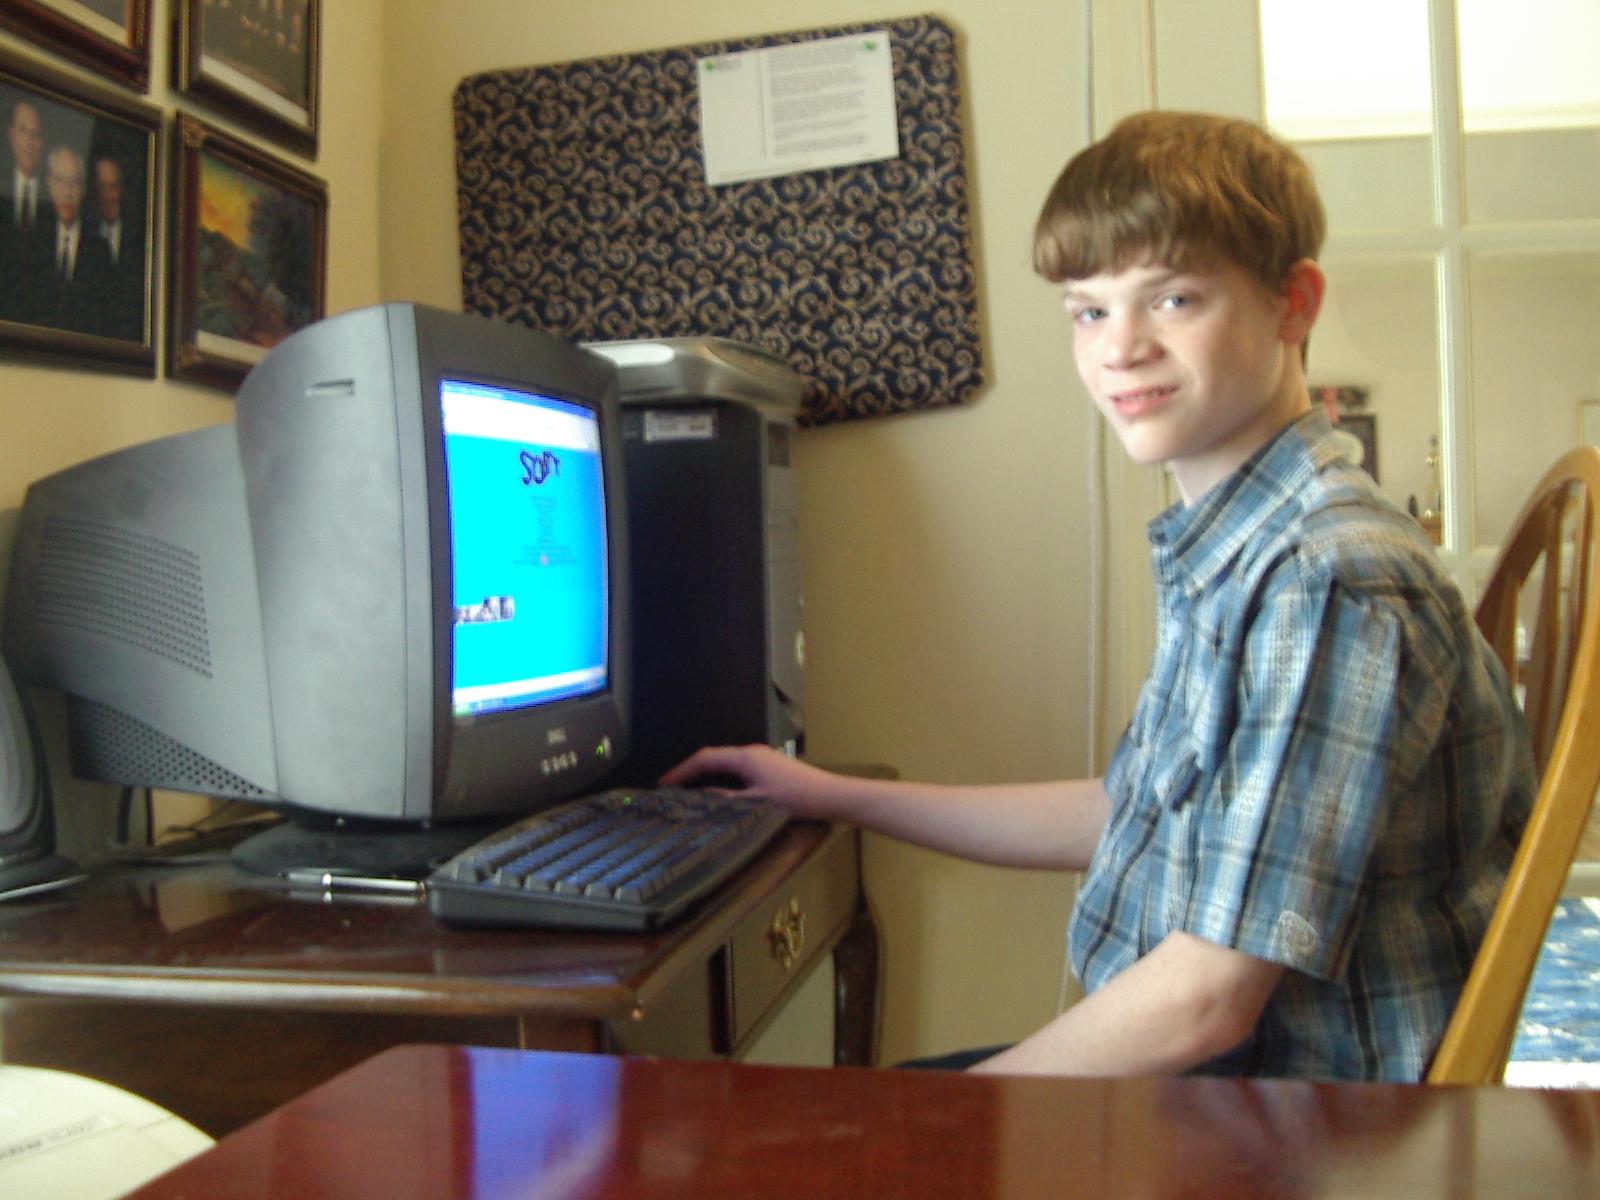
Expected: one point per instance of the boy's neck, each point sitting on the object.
(1196, 480)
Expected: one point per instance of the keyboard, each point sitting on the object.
(625, 859)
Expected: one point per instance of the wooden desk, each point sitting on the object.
(439, 1122)
(220, 997)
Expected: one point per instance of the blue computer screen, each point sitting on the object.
(528, 547)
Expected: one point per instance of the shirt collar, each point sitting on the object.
(1192, 545)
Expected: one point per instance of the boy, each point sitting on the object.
(1297, 844)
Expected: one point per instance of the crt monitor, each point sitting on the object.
(390, 596)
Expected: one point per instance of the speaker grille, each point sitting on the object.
(132, 588)
(109, 744)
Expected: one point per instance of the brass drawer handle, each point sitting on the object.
(787, 936)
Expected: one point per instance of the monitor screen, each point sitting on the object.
(529, 572)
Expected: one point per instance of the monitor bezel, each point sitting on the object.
(571, 727)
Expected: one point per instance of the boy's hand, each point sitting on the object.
(757, 771)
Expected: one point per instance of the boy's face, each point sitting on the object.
(1197, 368)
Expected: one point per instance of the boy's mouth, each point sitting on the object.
(1144, 400)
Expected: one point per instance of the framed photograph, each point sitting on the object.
(1364, 427)
(108, 36)
(249, 244)
(258, 62)
(78, 215)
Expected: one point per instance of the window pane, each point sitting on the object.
(1529, 65)
(1327, 76)
(1385, 183)
(1530, 85)
(1377, 333)
(1542, 176)
(1535, 360)
(1358, 107)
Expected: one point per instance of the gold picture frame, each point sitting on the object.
(260, 65)
(78, 262)
(110, 37)
(249, 247)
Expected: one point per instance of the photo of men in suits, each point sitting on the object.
(74, 241)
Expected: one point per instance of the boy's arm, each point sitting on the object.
(1052, 825)
(1184, 1003)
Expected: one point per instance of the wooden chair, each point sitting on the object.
(1560, 684)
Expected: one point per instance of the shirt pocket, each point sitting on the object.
(1174, 772)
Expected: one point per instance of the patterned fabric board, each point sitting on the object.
(584, 211)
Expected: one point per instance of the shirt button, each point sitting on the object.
(1298, 933)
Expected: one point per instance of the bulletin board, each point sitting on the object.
(585, 212)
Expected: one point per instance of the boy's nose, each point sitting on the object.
(1125, 342)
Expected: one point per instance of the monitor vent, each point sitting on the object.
(109, 744)
(118, 584)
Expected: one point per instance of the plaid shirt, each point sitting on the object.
(1325, 768)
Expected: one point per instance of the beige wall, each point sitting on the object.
(945, 554)
(54, 416)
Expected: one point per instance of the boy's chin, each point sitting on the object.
(1142, 450)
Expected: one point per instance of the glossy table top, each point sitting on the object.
(216, 934)
(448, 1122)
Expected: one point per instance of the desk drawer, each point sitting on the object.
(775, 947)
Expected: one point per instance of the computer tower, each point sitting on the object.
(713, 533)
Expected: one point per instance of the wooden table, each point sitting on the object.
(219, 997)
(439, 1122)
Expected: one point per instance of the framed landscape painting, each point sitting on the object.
(249, 255)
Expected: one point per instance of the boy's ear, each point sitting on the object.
(1302, 292)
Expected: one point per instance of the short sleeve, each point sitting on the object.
(1290, 820)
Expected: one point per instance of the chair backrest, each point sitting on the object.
(1559, 681)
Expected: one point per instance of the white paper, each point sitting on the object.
(797, 107)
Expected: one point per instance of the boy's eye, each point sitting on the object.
(1086, 314)
(1175, 300)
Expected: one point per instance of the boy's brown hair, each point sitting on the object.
(1176, 188)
